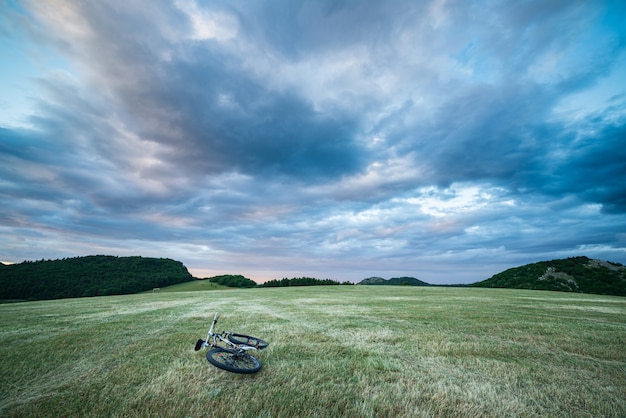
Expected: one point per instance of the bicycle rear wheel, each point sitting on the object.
(233, 361)
(258, 343)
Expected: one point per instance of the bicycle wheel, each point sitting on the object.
(233, 361)
(248, 340)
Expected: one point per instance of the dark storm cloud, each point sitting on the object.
(203, 102)
(593, 164)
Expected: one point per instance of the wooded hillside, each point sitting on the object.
(576, 274)
(97, 275)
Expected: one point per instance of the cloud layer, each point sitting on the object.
(443, 140)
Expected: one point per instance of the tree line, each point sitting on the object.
(239, 281)
(102, 275)
(301, 281)
(96, 275)
(232, 280)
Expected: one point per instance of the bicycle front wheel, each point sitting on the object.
(233, 361)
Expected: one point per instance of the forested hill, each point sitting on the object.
(96, 275)
(576, 274)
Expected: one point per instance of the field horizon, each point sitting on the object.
(334, 351)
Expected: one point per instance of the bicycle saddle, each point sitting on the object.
(199, 344)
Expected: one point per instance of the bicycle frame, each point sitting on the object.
(223, 337)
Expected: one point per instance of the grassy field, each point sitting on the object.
(334, 351)
(192, 286)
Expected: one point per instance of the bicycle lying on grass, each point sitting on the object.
(229, 351)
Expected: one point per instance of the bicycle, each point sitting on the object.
(229, 350)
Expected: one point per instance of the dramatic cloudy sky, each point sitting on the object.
(445, 140)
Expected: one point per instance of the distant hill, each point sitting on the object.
(576, 274)
(396, 281)
(96, 275)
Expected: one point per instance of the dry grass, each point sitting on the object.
(334, 351)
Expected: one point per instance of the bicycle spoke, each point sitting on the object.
(243, 362)
(233, 361)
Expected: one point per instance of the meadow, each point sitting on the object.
(366, 351)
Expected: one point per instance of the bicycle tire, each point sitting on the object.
(258, 343)
(233, 361)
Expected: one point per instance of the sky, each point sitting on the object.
(442, 140)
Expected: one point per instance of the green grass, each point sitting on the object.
(191, 286)
(334, 351)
